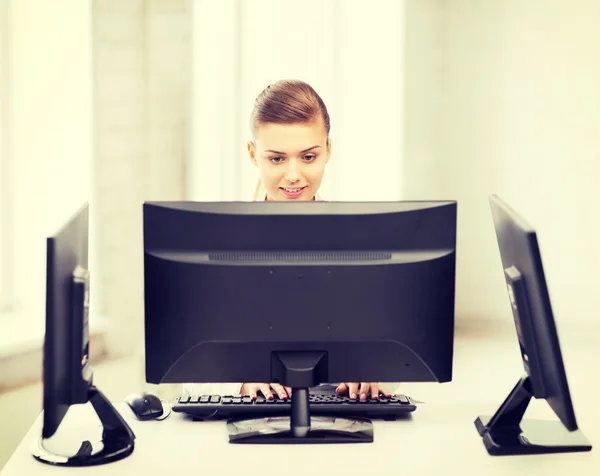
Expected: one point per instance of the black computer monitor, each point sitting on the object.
(506, 432)
(299, 294)
(67, 373)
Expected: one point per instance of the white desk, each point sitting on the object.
(439, 438)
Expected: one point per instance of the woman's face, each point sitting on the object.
(291, 159)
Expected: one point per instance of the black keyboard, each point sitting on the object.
(216, 407)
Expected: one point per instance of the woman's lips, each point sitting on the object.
(292, 192)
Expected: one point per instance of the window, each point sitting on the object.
(6, 242)
(45, 152)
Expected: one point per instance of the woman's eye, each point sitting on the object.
(309, 158)
(275, 160)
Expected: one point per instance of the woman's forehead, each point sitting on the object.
(290, 138)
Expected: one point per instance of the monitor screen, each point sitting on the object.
(67, 373)
(230, 285)
(507, 432)
(532, 311)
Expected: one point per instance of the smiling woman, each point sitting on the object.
(290, 143)
(290, 147)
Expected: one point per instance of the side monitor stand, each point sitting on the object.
(507, 433)
(300, 371)
(117, 439)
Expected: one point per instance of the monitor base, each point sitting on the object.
(507, 433)
(117, 439)
(278, 430)
(531, 437)
(300, 371)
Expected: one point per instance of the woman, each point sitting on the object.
(290, 147)
(290, 143)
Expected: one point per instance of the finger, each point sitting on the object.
(382, 390)
(364, 389)
(341, 389)
(375, 389)
(279, 390)
(353, 389)
(252, 389)
(265, 388)
(289, 391)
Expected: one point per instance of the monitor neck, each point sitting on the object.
(300, 371)
(511, 412)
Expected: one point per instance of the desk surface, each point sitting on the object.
(439, 437)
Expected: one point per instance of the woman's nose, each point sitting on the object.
(291, 173)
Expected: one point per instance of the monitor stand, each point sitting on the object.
(507, 433)
(117, 439)
(300, 371)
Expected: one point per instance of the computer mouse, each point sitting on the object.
(145, 406)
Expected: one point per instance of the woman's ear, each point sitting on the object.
(252, 153)
(328, 150)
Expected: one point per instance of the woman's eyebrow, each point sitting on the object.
(302, 151)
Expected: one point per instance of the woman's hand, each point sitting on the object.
(267, 389)
(365, 389)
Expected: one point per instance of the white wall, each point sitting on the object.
(351, 55)
(489, 97)
(485, 97)
(520, 117)
(423, 61)
(141, 99)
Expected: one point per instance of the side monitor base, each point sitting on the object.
(531, 437)
(507, 433)
(117, 439)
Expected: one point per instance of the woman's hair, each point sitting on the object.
(287, 101)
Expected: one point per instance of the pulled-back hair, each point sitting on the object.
(287, 101)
